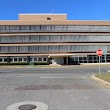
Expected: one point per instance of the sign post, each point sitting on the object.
(99, 53)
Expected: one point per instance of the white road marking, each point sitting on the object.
(12, 76)
(47, 77)
(15, 76)
(63, 77)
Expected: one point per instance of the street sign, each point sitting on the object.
(99, 52)
(105, 52)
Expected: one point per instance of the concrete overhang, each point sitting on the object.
(59, 55)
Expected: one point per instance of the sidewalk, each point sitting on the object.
(39, 66)
(51, 66)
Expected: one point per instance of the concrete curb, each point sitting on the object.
(100, 80)
(42, 66)
(48, 66)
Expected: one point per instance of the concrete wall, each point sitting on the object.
(43, 17)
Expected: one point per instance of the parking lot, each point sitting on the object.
(59, 88)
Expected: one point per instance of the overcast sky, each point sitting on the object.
(76, 9)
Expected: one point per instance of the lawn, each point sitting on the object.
(105, 77)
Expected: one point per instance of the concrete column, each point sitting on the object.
(67, 60)
(28, 59)
(8, 59)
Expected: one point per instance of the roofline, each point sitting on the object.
(56, 20)
(42, 14)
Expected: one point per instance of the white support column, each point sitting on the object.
(66, 60)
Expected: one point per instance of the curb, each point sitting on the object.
(48, 66)
(100, 80)
(41, 66)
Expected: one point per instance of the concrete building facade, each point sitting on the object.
(51, 38)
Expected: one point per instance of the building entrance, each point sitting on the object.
(58, 61)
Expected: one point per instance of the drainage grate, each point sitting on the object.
(27, 107)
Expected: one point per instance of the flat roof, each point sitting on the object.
(55, 19)
(42, 14)
(43, 17)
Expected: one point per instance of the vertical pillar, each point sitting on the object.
(67, 60)
(8, 59)
(28, 59)
(48, 60)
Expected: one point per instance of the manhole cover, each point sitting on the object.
(27, 107)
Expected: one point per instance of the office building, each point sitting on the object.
(53, 39)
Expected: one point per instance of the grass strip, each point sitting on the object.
(105, 77)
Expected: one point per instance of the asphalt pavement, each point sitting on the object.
(60, 88)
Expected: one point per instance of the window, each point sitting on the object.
(23, 27)
(20, 59)
(35, 59)
(84, 58)
(25, 59)
(76, 58)
(103, 57)
(31, 59)
(80, 58)
(0, 59)
(15, 59)
(94, 58)
(108, 60)
(40, 59)
(5, 59)
(103, 61)
(44, 59)
(90, 57)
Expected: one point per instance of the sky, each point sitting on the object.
(75, 9)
